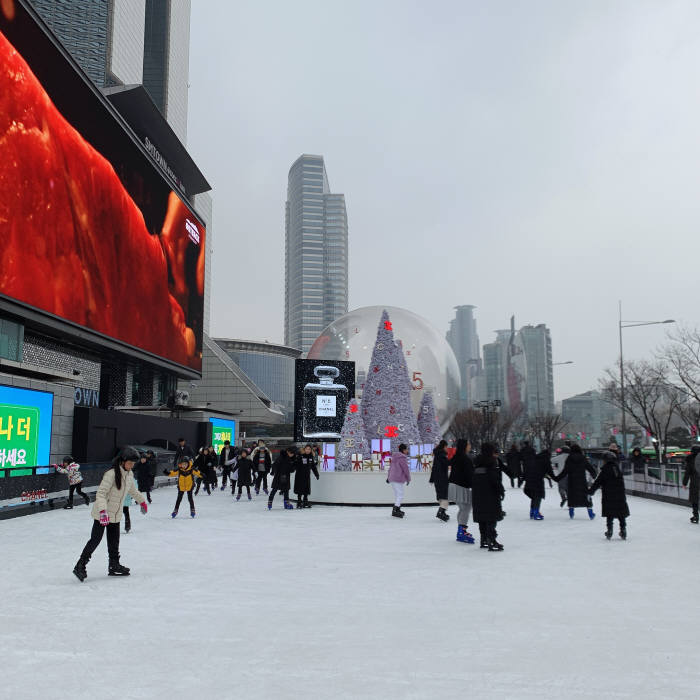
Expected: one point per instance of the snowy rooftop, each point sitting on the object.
(339, 602)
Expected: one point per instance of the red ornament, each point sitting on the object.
(379, 392)
(391, 431)
(353, 408)
(392, 410)
(387, 326)
(375, 369)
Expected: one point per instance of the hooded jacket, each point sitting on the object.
(611, 482)
(111, 499)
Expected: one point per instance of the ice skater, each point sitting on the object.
(399, 477)
(691, 480)
(282, 469)
(461, 474)
(185, 473)
(614, 501)
(557, 466)
(261, 457)
(574, 472)
(227, 459)
(305, 464)
(245, 474)
(143, 474)
(487, 494)
(107, 512)
(534, 474)
(203, 464)
(439, 478)
(75, 480)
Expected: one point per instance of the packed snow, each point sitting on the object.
(336, 602)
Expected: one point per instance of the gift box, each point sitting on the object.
(356, 460)
(414, 458)
(382, 449)
(328, 464)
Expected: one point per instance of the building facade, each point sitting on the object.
(589, 414)
(316, 253)
(540, 377)
(464, 341)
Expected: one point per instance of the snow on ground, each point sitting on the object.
(338, 602)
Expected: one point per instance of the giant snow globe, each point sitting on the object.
(431, 363)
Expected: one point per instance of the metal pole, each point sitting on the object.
(622, 387)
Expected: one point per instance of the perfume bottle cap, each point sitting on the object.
(326, 372)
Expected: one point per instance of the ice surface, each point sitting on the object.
(339, 602)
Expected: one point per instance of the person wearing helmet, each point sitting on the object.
(185, 473)
(117, 482)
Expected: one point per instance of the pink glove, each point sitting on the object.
(104, 518)
(144, 508)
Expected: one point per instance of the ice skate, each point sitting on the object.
(694, 519)
(396, 512)
(591, 514)
(462, 533)
(222, 488)
(494, 546)
(269, 505)
(257, 492)
(563, 503)
(623, 533)
(442, 515)
(571, 513)
(288, 506)
(300, 505)
(87, 500)
(79, 569)
(127, 529)
(250, 498)
(173, 514)
(532, 513)
(238, 497)
(265, 491)
(192, 513)
(68, 506)
(538, 515)
(117, 569)
(608, 533)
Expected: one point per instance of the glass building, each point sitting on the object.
(316, 253)
(268, 366)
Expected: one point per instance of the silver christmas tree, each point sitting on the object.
(352, 440)
(428, 426)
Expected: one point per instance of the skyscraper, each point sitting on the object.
(464, 341)
(540, 376)
(316, 253)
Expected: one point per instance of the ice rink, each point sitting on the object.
(338, 602)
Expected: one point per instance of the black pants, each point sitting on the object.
(273, 493)
(206, 485)
(261, 478)
(127, 518)
(233, 486)
(487, 531)
(303, 499)
(240, 490)
(96, 538)
(611, 521)
(535, 503)
(146, 490)
(190, 498)
(694, 506)
(79, 488)
(225, 474)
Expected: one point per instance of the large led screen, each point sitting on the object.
(92, 233)
(222, 430)
(25, 427)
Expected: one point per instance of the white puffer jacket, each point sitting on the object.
(111, 499)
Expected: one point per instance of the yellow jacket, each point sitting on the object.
(184, 475)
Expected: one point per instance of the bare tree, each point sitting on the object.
(650, 398)
(506, 424)
(545, 426)
(469, 425)
(682, 356)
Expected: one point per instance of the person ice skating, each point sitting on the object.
(557, 467)
(614, 501)
(439, 478)
(574, 472)
(75, 480)
(261, 457)
(227, 459)
(513, 464)
(487, 494)
(107, 512)
(244, 474)
(212, 468)
(461, 474)
(527, 459)
(533, 475)
(637, 460)
(305, 464)
(143, 474)
(399, 477)
(183, 450)
(691, 480)
(204, 464)
(282, 469)
(185, 473)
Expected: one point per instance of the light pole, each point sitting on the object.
(622, 325)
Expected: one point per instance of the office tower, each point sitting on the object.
(128, 42)
(316, 253)
(540, 379)
(464, 341)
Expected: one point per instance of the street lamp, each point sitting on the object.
(622, 325)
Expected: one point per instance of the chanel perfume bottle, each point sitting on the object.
(324, 405)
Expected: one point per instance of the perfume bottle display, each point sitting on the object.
(324, 405)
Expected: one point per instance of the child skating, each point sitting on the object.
(305, 464)
(107, 512)
(185, 474)
(614, 501)
(75, 480)
(282, 470)
(245, 474)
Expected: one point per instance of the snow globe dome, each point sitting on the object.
(432, 365)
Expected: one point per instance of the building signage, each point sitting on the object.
(162, 163)
(25, 427)
(86, 397)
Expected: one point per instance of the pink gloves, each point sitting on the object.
(104, 518)
(144, 508)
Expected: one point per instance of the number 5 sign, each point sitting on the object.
(417, 381)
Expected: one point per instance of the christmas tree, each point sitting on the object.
(427, 421)
(352, 440)
(386, 399)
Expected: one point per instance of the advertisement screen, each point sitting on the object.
(25, 427)
(92, 233)
(222, 430)
(323, 390)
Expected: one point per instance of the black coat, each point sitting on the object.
(575, 468)
(513, 462)
(462, 470)
(487, 491)
(206, 464)
(438, 474)
(184, 451)
(142, 472)
(534, 471)
(691, 478)
(637, 463)
(282, 469)
(305, 464)
(225, 456)
(612, 484)
(244, 476)
(255, 459)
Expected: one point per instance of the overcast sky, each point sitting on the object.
(531, 158)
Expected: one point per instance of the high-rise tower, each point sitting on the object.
(316, 253)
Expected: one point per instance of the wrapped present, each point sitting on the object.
(368, 465)
(328, 457)
(426, 462)
(356, 460)
(382, 448)
(414, 458)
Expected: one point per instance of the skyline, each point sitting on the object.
(535, 161)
